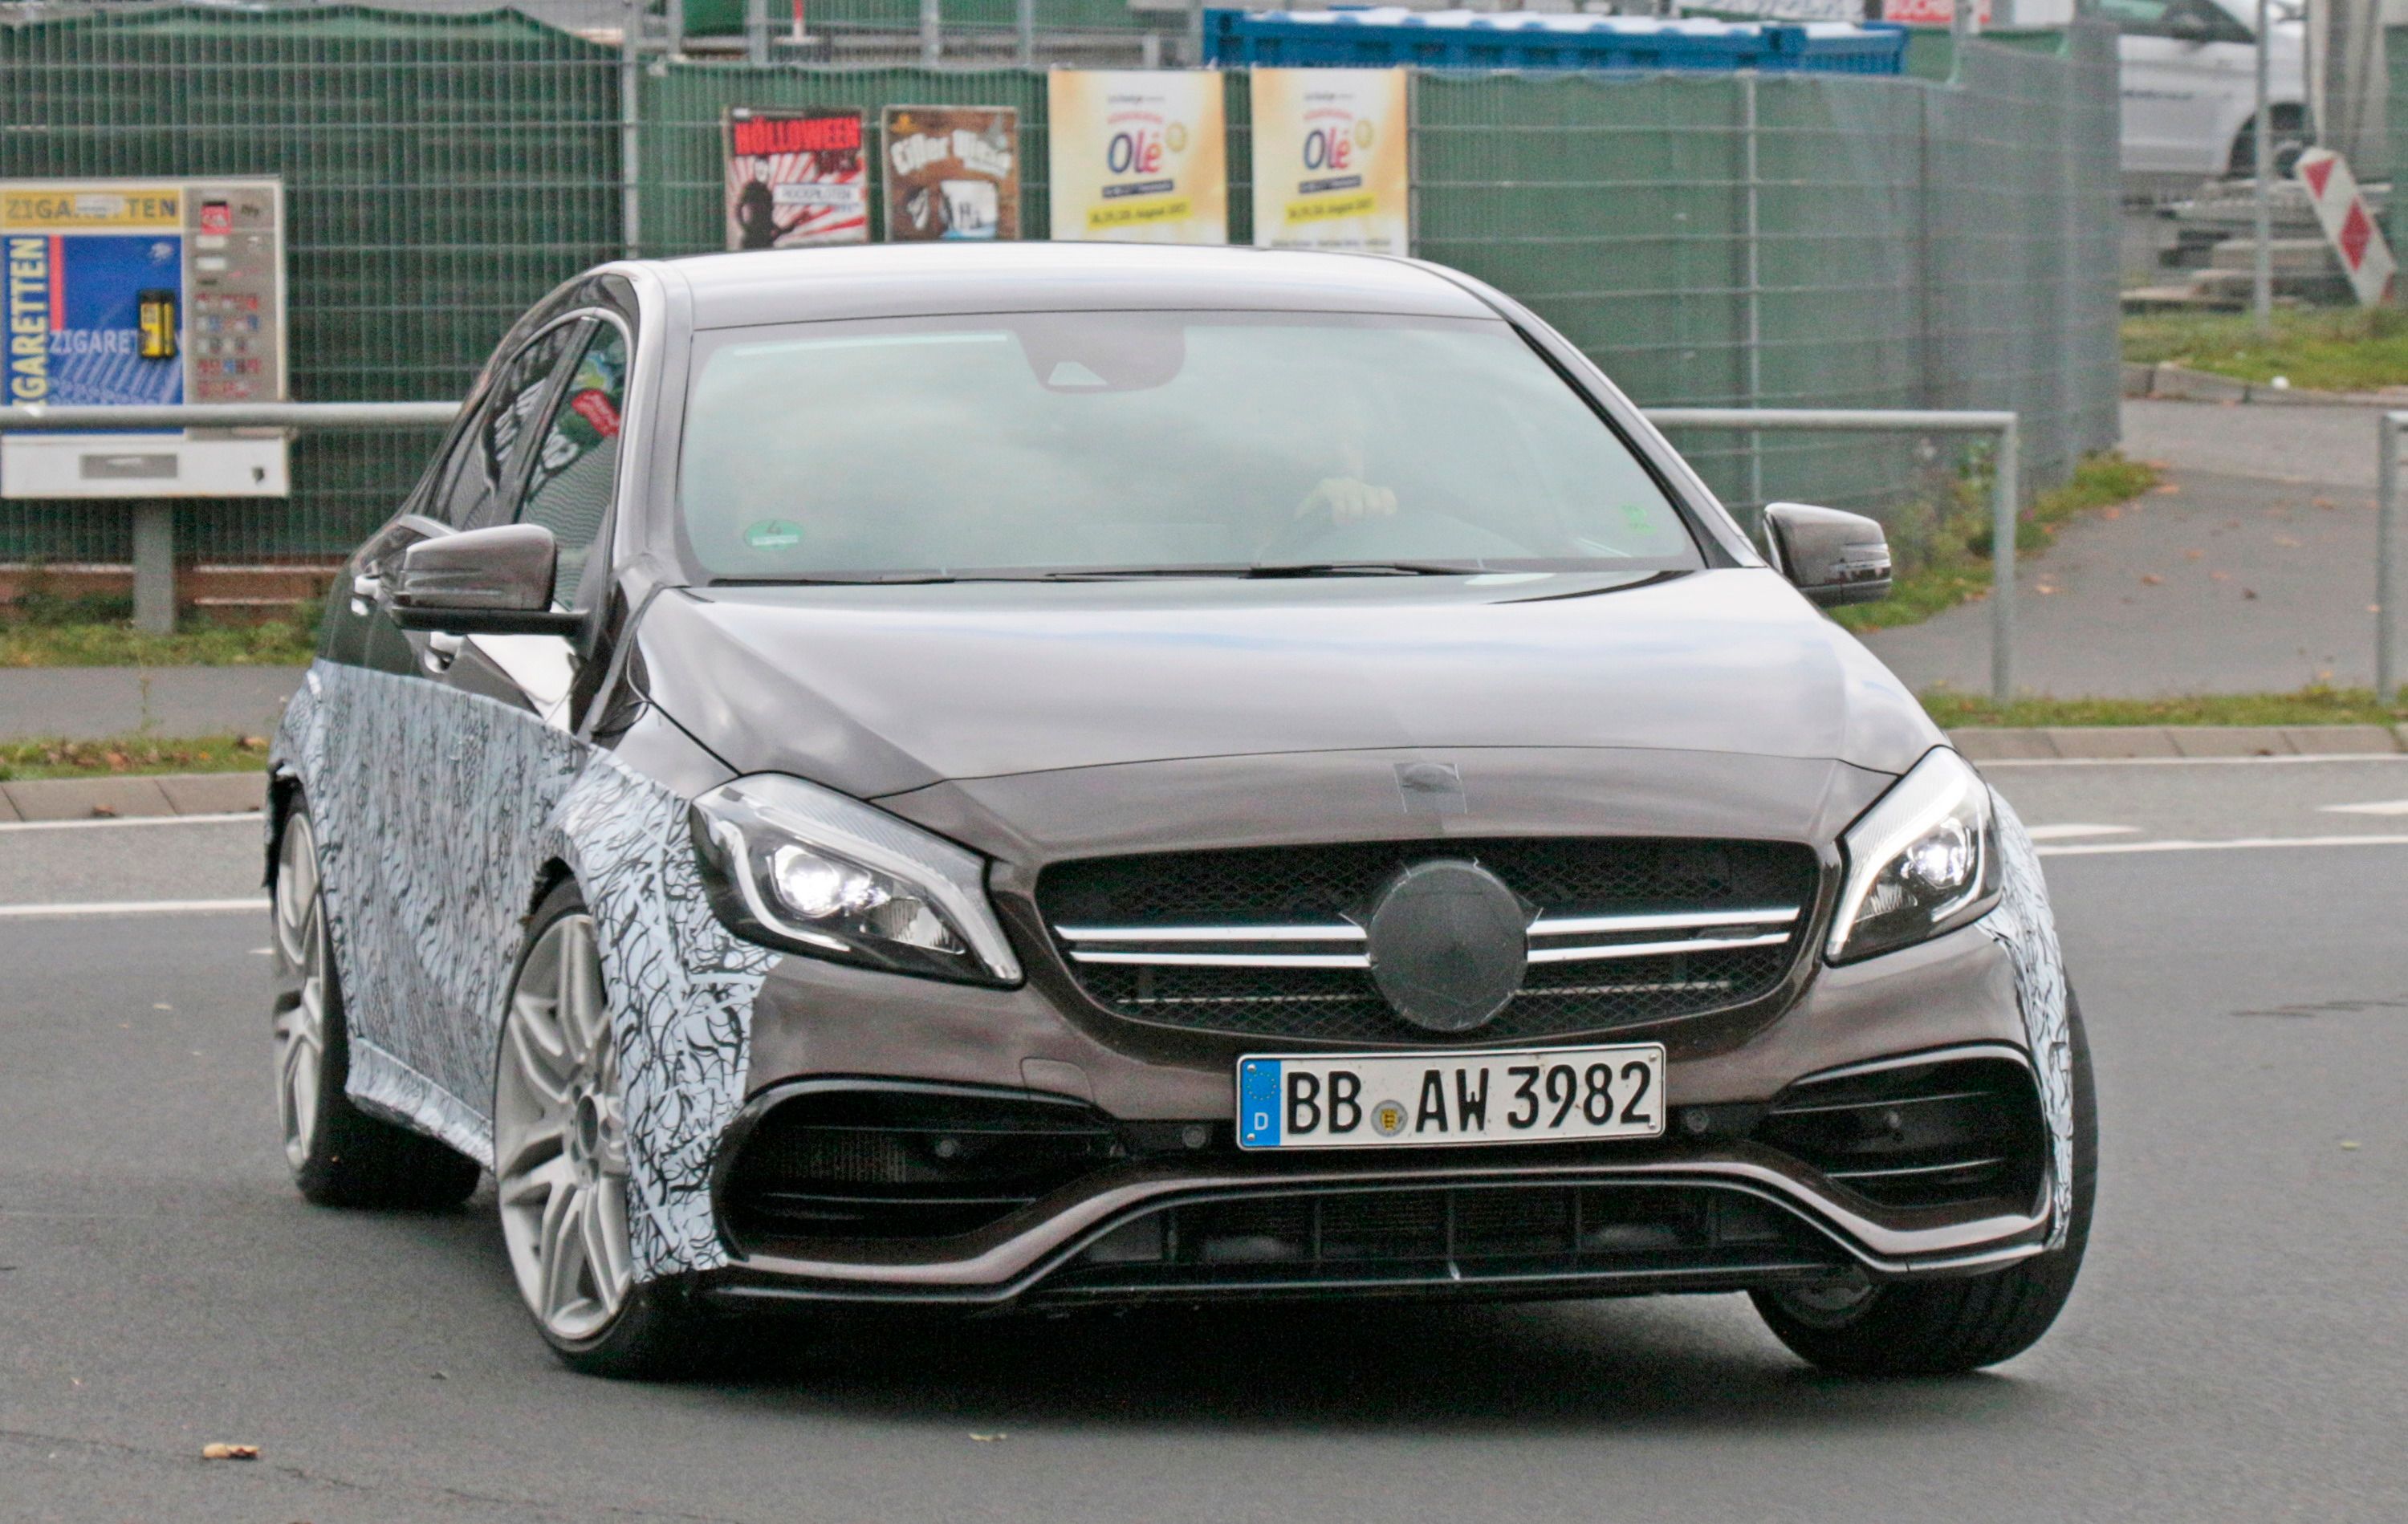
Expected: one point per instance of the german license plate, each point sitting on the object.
(1421, 1100)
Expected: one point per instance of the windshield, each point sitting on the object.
(1137, 443)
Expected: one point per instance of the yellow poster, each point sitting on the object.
(1330, 165)
(1138, 156)
(104, 205)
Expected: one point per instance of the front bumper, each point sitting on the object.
(1710, 1207)
(1797, 1230)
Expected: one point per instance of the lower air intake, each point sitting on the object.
(1516, 1237)
(904, 1163)
(1956, 1132)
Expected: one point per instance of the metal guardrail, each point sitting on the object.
(2006, 492)
(154, 559)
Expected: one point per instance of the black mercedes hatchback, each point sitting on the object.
(1036, 776)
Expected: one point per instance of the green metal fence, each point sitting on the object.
(441, 172)
(1791, 240)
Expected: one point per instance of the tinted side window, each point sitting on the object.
(470, 494)
(2141, 18)
(570, 490)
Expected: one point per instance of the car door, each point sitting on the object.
(509, 701)
(400, 766)
(2182, 62)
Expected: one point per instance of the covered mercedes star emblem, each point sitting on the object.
(1448, 942)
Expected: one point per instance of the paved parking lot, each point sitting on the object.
(2238, 1347)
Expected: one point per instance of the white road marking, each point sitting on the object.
(2380, 807)
(134, 908)
(2101, 847)
(247, 816)
(2191, 761)
(2059, 832)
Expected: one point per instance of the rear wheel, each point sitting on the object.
(339, 1155)
(2291, 140)
(1943, 1327)
(560, 1160)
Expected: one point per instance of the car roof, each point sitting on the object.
(883, 280)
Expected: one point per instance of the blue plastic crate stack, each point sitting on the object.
(1390, 36)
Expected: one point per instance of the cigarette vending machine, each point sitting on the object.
(126, 293)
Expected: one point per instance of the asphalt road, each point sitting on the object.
(2238, 1347)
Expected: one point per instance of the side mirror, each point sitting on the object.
(1834, 558)
(480, 582)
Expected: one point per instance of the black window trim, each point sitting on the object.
(553, 395)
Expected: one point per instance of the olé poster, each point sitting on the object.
(1138, 156)
(952, 172)
(795, 177)
(1330, 165)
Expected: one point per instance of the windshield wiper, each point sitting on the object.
(1363, 568)
(1110, 574)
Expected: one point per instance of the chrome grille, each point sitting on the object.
(1269, 942)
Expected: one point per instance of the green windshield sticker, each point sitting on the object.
(774, 535)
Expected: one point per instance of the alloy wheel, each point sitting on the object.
(301, 1027)
(559, 1146)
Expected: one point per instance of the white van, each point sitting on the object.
(2190, 86)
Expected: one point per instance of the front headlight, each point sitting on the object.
(800, 867)
(1923, 861)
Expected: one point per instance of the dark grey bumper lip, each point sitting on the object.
(1010, 1261)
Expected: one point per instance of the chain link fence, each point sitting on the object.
(1836, 241)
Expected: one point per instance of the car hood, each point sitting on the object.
(879, 690)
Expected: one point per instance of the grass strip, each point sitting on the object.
(113, 645)
(2317, 349)
(130, 756)
(1954, 564)
(48, 628)
(2310, 705)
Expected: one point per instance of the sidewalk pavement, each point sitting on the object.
(2251, 570)
(132, 798)
(94, 703)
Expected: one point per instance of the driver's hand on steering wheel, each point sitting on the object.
(1347, 501)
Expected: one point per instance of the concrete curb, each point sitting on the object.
(2100, 743)
(132, 798)
(2169, 382)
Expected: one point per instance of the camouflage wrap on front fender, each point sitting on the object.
(438, 816)
(2024, 928)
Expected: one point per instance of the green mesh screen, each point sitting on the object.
(1798, 241)
(441, 172)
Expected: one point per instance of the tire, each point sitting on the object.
(1946, 1326)
(339, 1155)
(560, 1165)
(2291, 140)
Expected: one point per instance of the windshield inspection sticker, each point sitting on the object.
(774, 535)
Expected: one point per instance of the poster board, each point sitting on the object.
(953, 172)
(1138, 156)
(795, 177)
(135, 293)
(1330, 160)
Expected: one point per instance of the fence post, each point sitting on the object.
(2006, 510)
(2387, 558)
(1024, 19)
(631, 214)
(756, 31)
(154, 568)
(1755, 268)
(932, 33)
